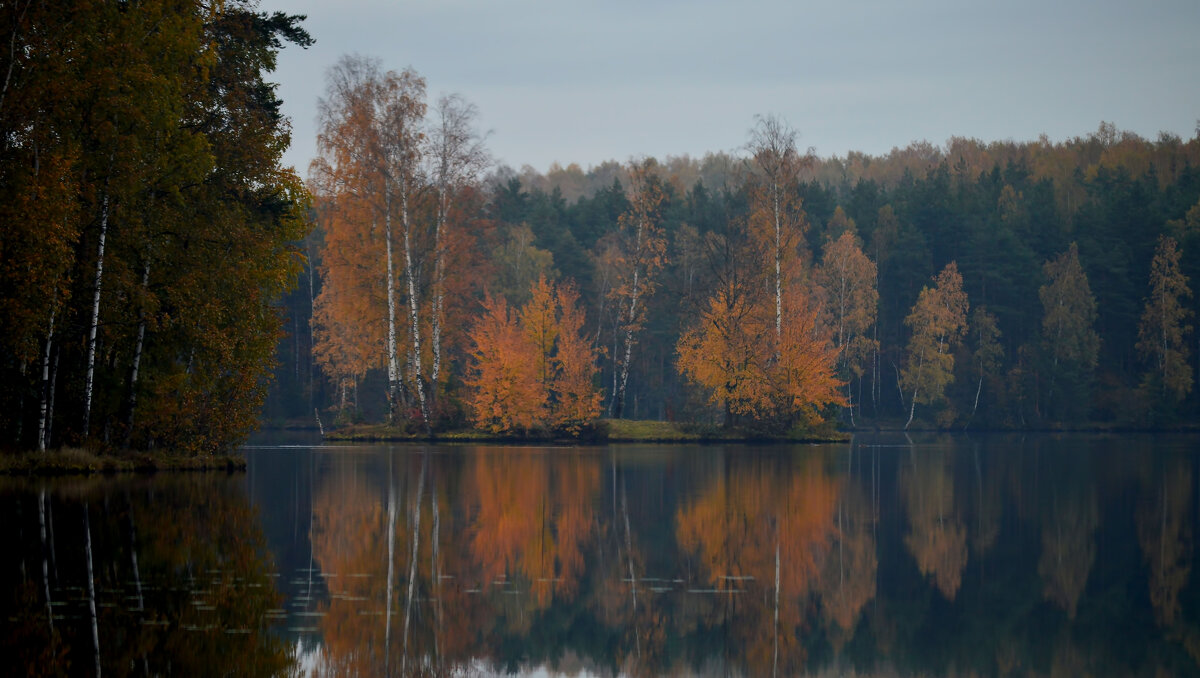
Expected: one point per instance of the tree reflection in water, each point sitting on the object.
(942, 555)
(175, 568)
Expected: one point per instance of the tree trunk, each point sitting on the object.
(778, 271)
(95, 321)
(50, 400)
(619, 400)
(414, 317)
(393, 360)
(44, 410)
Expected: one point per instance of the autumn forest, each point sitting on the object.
(166, 284)
(976, 286)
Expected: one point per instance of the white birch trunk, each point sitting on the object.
(45, 406)
(635, 293)
(91, 353)
(393, 361)
(414, 316)
(50, 404)
(778, 271)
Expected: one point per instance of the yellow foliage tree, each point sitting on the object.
(938, 322)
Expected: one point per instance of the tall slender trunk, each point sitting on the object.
(778, 270)
(634, 297)
(413, 313)
(49, 437)
(91, 586)
(95, 321)
(978, 390)
(45, 406)
(393, 361)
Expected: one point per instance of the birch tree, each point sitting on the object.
(370, 142)
(642, 255)
(847, 280)
(938, 322)
(457, 155)
(776, 218)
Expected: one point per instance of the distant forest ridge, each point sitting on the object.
(1108, 145)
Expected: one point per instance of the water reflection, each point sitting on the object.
(995, 556)
(151, 576)
(998, 556)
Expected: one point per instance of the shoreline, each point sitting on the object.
(604, 433)
(76, 461)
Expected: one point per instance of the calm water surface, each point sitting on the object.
(929, 555)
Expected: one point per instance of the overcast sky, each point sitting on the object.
(564, 81)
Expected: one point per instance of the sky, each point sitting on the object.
(587, 81)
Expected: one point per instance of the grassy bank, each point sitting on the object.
(604, 431)
(76, 461)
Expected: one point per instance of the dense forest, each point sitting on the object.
(158, 262)
(971, 286)
(147, 229)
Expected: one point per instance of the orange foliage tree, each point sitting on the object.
(533, 368)
(504, 393)
(735, 354)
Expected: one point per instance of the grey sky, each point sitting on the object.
(592, 81)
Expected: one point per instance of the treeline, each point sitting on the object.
(146, 221)
(1003, 285)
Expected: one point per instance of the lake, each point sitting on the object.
(900, 555)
